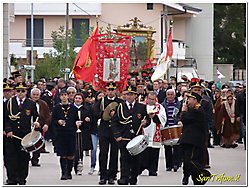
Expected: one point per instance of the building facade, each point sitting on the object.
(192, 27)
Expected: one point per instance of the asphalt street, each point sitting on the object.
(228, 166)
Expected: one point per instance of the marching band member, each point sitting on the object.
(172, 108)
(106, 140)
(64, 119)
(141, 94)
(84, 141)
(129, 117)
(19, 112)
(193, 140)
(157, 114)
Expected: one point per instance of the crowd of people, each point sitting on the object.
(77, 118)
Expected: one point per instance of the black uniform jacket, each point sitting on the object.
(194, 127)
(104, 127)
(68, 113)
(126, 123)
(21, 125)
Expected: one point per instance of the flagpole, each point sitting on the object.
(67, 20)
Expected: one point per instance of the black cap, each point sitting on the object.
(140, 82)
(195, 96)
(111, 85)
(130, 89)
(16, 74)
(7, 87)
(21, 85)
(63, 91)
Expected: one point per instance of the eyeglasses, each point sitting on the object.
(71, 92)
(20, 90)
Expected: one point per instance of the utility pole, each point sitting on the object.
(67, 20)
(32, 43)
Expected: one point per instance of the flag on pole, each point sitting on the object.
(169, 45)
(219, 75)
(165, 58)
(85, 62)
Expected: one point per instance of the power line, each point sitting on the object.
(91, 15)
(114, 24)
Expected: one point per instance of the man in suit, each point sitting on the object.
(44, 120)
(161, 94)
(126, 124)
(19, 113)
(106, 140)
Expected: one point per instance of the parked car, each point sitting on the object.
(233, 83)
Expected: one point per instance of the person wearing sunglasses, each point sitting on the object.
(19, 113)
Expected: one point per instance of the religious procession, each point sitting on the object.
(138, 100)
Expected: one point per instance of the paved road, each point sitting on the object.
(231, 162)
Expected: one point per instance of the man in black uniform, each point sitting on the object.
(141, 94)
(7, 93)
(19, 112)
(106, 140)
(193, 140)
(129, 117)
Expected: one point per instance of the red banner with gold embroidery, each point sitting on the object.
(112, 60)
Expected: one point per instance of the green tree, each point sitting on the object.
(54, 62)
(230, 34)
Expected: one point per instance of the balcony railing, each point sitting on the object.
(41, 42)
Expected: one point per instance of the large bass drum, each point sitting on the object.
(137, 144)
(32, 141)
(171, 135)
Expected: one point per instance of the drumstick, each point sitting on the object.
(126, 139)
(140, 126)
(17, 137)
(33, 128)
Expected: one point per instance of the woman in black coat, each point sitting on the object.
(64, 119)
(83, 135)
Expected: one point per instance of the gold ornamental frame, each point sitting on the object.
(136, 29)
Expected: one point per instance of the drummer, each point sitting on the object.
(19, 112)
(172, 153)
(129, 117)
(158, 118)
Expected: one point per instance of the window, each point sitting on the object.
(38, 32)
(149, 6)
(81, 31)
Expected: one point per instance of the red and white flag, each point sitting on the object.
(219, 75)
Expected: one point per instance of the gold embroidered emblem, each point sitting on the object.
(88, 61)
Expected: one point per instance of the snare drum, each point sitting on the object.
(33, 141)
(137, 144)
(171, 135)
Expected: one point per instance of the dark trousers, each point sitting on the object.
(172, 156)
(35, 156)
(106, 143)
(17, 161)
(129, 166)
(192, 163)
(149, 160)
(216, 137)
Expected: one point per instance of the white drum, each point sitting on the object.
(33, 141)
(137, 144)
